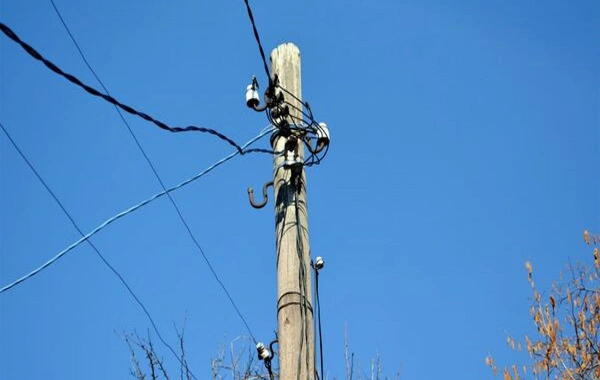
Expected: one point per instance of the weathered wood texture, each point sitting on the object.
(294, 294)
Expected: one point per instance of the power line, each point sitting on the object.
(257, 38)
(299, 124)
(160, 181)
(82, 55)
(104, 260)
(130, 210)
(71, 78)
(319, 319)
(304, 307)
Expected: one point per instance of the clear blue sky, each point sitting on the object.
(465, 141)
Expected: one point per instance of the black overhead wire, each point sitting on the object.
(104, 260)
(257, 37)
(269, 361)
(71, 78)
(305, 126)
(301, 272)
(159, 179)
(319, 320)
(301, 278)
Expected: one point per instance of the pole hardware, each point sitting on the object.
(273, 342)
(266, 356)
(322, 137)
(252, 98)
(318, 264)
(262, 351)
(265, 196)
(271, 99)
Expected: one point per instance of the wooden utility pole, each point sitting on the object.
(294, 293)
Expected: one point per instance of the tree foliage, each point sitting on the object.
(565, 345)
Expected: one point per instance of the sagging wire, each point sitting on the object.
(151, 165)
(73, 79)
(277, 109)
(307, 122)
(318, 153)
(131, 210)
(305, 129)
(297, 129)
(96, 250)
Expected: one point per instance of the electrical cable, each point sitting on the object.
(285, 187)
(304, 129)
(300, 109)
(257, 38)
(104, 260)
(319, 319)
(314, 158)
(160, 181)
(71, 78)
(291, 94)
(300, 288)
(130, 210)
(268, 362)
(304, 331)
(314, 128)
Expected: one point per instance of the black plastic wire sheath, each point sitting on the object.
(319, 319)
(291, 94)
(159, 179)
(257, 37)
(71, 78)
(104, 260)
(302, 284)
(128, 211)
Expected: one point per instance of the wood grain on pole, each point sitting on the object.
(294, 312)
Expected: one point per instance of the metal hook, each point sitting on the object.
(265, 196)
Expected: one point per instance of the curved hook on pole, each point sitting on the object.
(265, 196)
